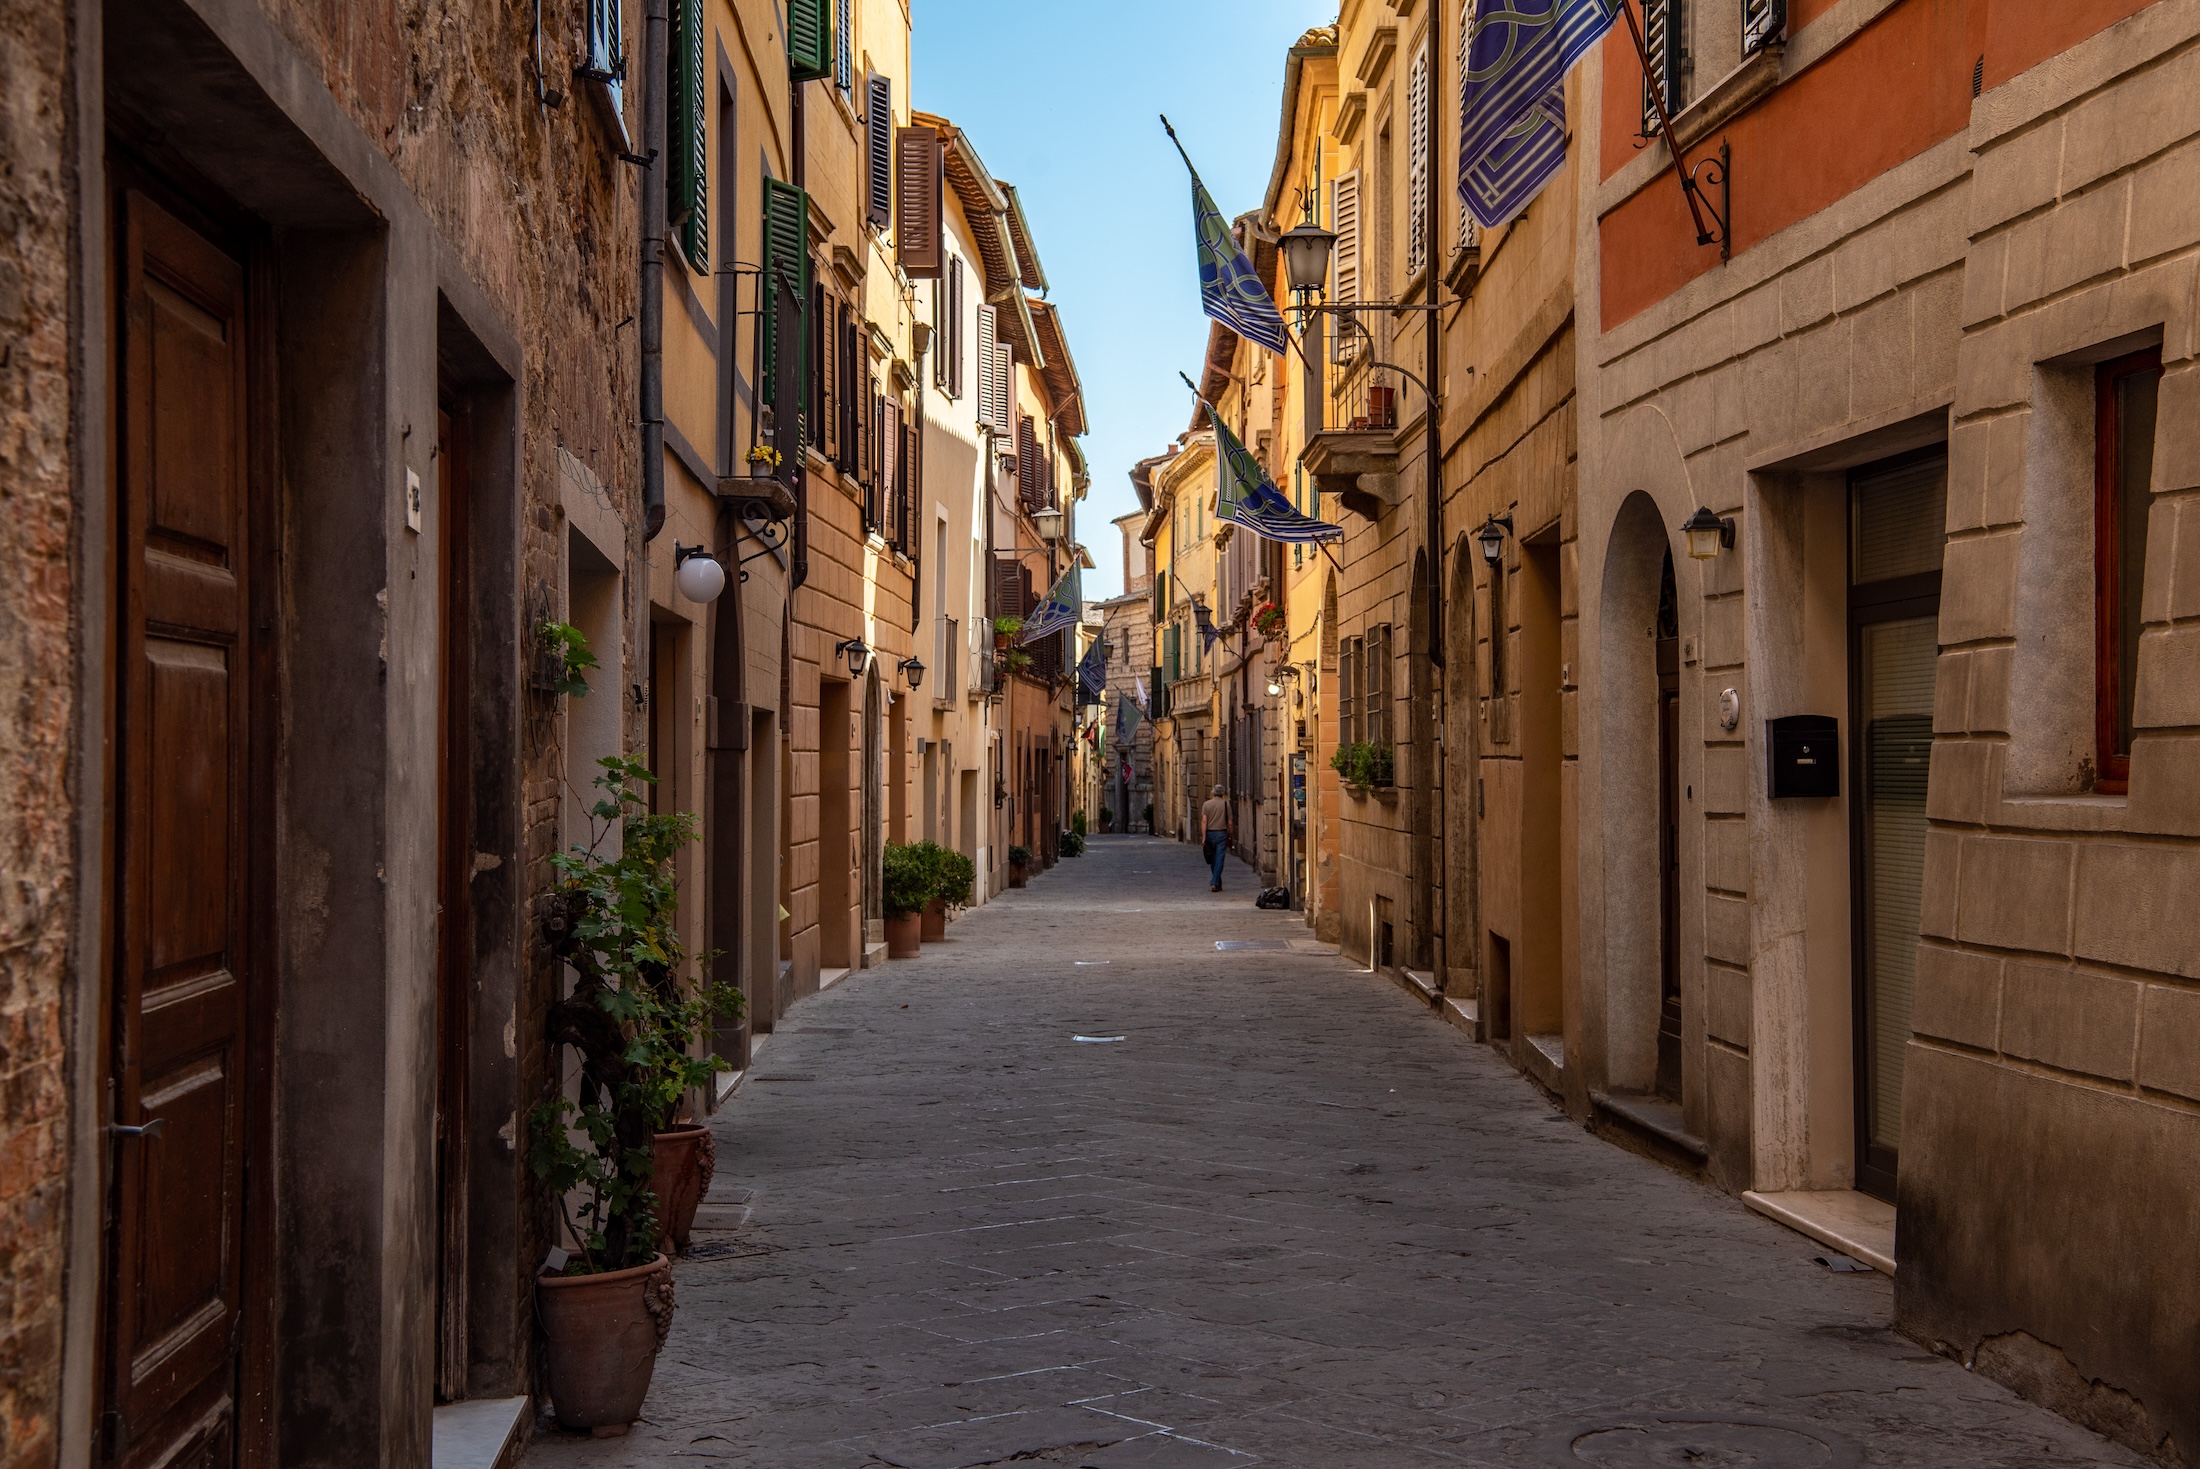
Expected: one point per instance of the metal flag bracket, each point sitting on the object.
(1707, 172)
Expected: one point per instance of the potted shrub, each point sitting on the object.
(954, 883)
(763, 461)
(907, 881)
(1363, 765)
(1073, 844)
(1005, 630)
(1019, 866)
(632, 1018)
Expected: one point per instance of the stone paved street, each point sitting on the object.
(1290, 1219)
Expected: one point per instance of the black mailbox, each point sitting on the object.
(1805, 750)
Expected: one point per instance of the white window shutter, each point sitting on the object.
(1417, 164)
(1344, 220)
(989, 390)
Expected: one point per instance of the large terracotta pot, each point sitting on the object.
(904, 935)
(935, 921)
(687, 1157)
(1018, 874)
(604, 1333)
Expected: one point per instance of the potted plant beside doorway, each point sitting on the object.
(633, 1019)
(1019, 866)
(907, 882)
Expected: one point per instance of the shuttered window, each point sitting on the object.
(849, 391)
(919, 185)
(955, 315)
(1004, 382)
(1027, 461)
(1763, 23)
(1348, 705)
(844, 45)
(989, 386)
(1344, 220)
(605, 58)
(786, 259)
(878, 148)
(1376, 691)
(1663, 24)
(687, 192)
(809, 39)
(819, 357)
(1417, 163)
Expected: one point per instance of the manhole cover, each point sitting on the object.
(1667, 1442)
(1237, 946)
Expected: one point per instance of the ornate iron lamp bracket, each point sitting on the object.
(1707, 172)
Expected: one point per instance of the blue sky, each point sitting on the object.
(1060, 99)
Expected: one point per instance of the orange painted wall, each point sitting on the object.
(1898, 87)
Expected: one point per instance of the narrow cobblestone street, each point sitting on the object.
(1287, 1219)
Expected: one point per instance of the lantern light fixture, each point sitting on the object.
(912, 670)
(697, 573)
(858, 654)
(1306, 247)
(1708, 534)
(1492, 537)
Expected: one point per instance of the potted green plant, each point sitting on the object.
(954, 881)
(633, 1018)
(1019, 866)
(1005, 630)
(1363, 765)
(907, 881)
(1073, 843)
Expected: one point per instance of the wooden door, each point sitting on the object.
(454, 927)
(184, 982)
(1669, 837)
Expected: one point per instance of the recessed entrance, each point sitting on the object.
(1897, 519)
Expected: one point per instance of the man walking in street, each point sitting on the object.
(1218, 823)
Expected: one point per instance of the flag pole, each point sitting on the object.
(1193, 169)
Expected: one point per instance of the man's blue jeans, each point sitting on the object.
(1218, 842)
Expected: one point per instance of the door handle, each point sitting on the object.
(150, 1129)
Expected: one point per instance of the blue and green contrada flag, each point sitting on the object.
(1064, 607)
(1230, 290)
(1245, 497)
(1512, 100)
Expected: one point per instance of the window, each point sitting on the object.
(787, 260)
(1497, 629)
(1762, 24)
(1348, 685)
(1375, 688)
(1417, 164)
(687, 191)
(955, 317)
(1664, 24)
(878, 149)
(844, 45)
(1344, 260)
(918, 246)
(2126, 393)
(809, 39)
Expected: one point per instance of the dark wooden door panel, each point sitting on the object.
(182, 983)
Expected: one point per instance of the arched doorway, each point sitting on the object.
(874, 815)
(1647, 993)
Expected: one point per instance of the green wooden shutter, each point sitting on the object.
(687, 203)
(786, 257)
(809, 40)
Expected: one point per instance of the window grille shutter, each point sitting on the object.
(606, 43)
(687, 191)
(1008, 590)
(878, 127)
(1027, 461)
(1763, 21)
(955, 327)
(1417, 164)
(1660, 28)
(818, 357)
(989, 389)
(1344, 220)
(1004, 382)
(786, 258)
(919, 181)
(1347, 672)
(844, 48)
(844, 365)
(809, 39)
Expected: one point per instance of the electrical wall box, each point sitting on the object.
(1805, 751)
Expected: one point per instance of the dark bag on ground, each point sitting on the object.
(1273, 898)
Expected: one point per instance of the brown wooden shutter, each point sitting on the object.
(878, 148)
(919, 185)
(1027, 461)
(955, 315)
(1008, 589)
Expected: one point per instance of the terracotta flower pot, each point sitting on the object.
(1018, 874)
(687, 1157)
(935, 921)
(604, 1332)
(904, 935)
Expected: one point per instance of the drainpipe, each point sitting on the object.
(656, 23)
(1431, 758)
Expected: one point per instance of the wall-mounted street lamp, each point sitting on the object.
(1492, 537)
(1707, 534)
(1048, 523)
(1288, 673)
(1306, 248)
(912, 670)
(858, 654)
(697, 573)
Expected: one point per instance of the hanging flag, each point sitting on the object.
(1512, 100)
(1143, 701)
(1092, 674)
(1245, 497)
(1230, 289)
(1064, 607)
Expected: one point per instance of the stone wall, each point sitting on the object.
(40, 782)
